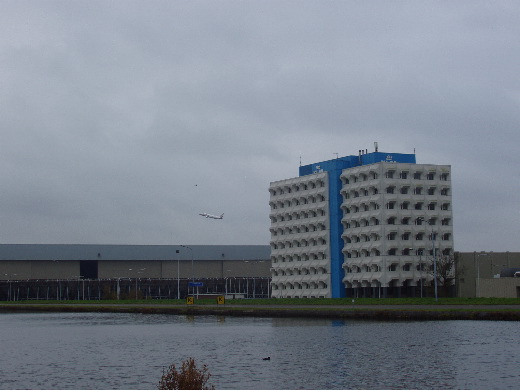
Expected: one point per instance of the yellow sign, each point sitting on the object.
(220, 300)
(189, 300)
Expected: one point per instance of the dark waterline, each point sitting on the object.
(130, 351)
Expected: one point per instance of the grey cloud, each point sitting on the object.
(121, 121)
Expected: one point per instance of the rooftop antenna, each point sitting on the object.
(337, 155)
(300, 160)
(375, 146)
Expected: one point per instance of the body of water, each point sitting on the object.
(130, 351)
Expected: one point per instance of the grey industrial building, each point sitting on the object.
(488, 274)
(151, 271)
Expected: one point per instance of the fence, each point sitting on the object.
(131, 288)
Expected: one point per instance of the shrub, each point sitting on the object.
(188, 378)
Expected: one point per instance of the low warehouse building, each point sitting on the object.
(144, 270)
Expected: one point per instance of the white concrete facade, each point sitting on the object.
(393, 215)
(300, 253)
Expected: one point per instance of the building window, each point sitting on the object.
(390, 174)
(390, 205)
(430, 176)
(417, 175)
(431, 191)
(418, 206)
(403, 175)
(404, 190)
(404, 205)
(417, 190)
(444, 177)
(390, 190)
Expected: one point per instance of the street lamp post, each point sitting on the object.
(136, 276)
(434, 266)
(478, 272)
(178, 275)
(434, 259)
(192, 269)
(421, 273)
(414, 266)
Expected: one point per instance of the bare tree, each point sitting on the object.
(446, 269)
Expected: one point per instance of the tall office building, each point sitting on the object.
(367, 225)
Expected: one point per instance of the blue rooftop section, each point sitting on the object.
(372, 158)
(330, 165)
(355, 161)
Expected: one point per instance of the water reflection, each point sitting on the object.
(129, 351)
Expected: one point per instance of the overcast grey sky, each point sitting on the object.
(120, 121)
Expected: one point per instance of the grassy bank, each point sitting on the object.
(361, 309)
(295, 301)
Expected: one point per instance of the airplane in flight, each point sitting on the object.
(212, 216)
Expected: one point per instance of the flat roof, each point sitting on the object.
(64, 252)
